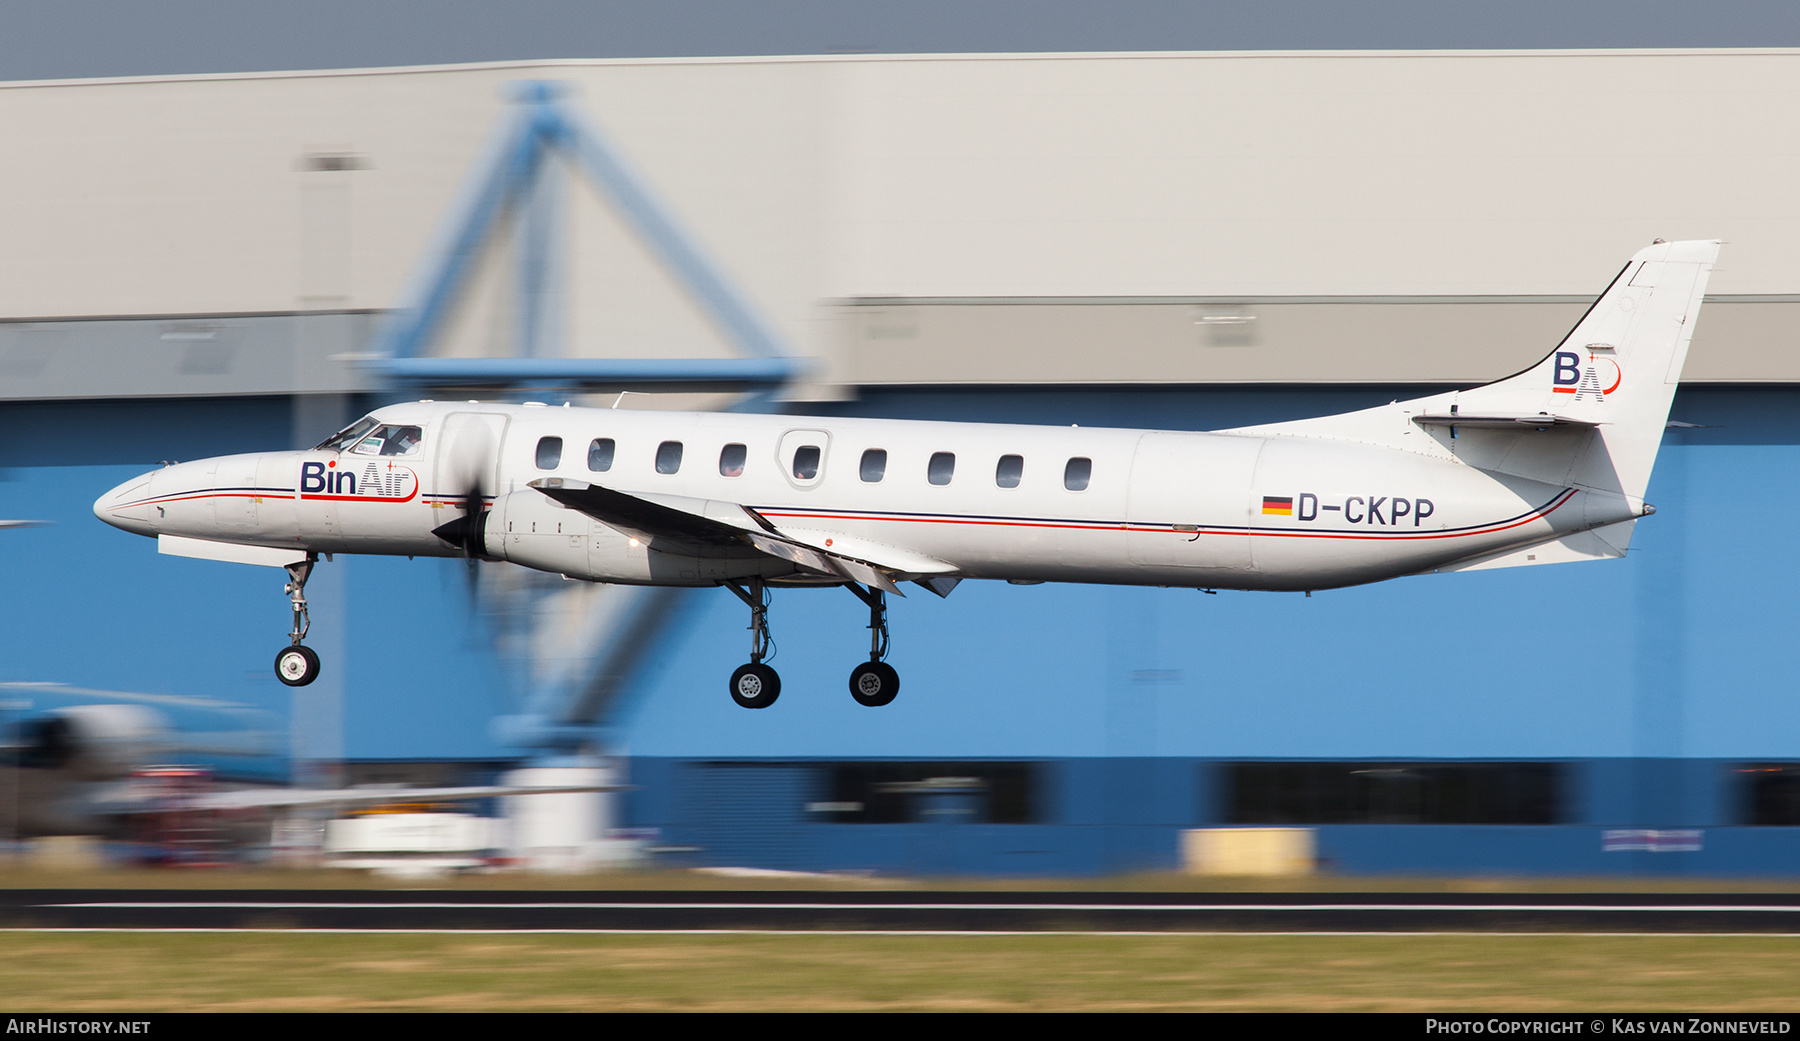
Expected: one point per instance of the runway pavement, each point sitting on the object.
(904, 911)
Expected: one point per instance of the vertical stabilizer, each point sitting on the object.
(1617, 370)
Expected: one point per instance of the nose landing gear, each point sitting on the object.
(755, 685)
(297, 665)
(874, 683)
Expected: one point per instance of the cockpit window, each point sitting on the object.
(350, 434)
(389, 440)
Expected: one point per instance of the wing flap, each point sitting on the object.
(825, 563)
(880, 554)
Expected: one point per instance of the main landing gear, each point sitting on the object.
(873, 683)
(297, 665)
(755, 685)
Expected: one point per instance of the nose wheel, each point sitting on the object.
(297, 665)
(755, 685)
(874, 683)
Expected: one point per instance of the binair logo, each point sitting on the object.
(375, 482)
(1594, 378)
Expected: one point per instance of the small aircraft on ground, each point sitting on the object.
(1544, 466)
(83, 762)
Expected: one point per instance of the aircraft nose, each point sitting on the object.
(128, 506)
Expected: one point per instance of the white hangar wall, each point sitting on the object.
(1140, 218)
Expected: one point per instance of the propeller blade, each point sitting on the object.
(469, 454)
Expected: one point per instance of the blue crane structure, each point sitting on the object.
(600, 635)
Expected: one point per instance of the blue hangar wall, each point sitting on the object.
(1681, 652)
(1094, 815)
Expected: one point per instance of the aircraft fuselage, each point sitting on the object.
(992, 501)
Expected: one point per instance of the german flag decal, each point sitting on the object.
(1279, 505)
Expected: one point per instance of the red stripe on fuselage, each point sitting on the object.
(1541, 512)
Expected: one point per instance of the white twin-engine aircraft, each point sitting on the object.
(1545, 466)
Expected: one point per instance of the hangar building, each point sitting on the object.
(191, 266)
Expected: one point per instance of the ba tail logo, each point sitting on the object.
(1594, 378)
(375, 482)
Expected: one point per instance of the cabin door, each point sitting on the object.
(1190, 501)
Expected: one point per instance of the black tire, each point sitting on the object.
(874, 683)
(755, 686)
(296, 666)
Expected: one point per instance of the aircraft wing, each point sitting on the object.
(683, 524)
(672, 523)
(294, 798)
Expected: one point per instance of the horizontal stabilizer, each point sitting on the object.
(1537, 421)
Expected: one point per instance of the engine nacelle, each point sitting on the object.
(94, 742)
(529, 528)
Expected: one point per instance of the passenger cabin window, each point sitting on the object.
(600, 454)
(668, 457)
(941, 468)
(874, 465)
(1076, 474)
(806, 462)
(549, 452)
(1011, 468)
(389, 440)
(731, 461)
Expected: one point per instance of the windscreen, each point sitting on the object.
(349, 435)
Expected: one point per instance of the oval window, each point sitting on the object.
(941, 468)
(668, 457)
(806, 462)
(549, 452)
(1011, 468)
(600, 454)
(1076, 474)
(731, 460)
(874, 465)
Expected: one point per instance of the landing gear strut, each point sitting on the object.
(874, 683)
(755, 685)
(297, 665)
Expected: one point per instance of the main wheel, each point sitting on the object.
(755, 686)
(296, 666)
(874, 683)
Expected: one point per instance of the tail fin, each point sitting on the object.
(1590, 414)
(1616, 372)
